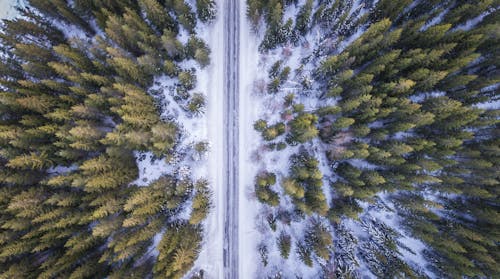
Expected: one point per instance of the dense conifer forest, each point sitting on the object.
(400, 123)
(380, 153)
(76, 107)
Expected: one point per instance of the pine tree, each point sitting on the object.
(304, 17)
(206, 10)
(284, 244)
(201, 202)
(158, 15)
(303, 128)
(262, 189)
(178, 249)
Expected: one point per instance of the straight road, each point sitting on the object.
(231, 134)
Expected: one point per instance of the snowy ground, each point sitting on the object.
(253, 227)
(254, 105)
(211, 81)
(7, 8)
(254, 157)
(203, 128)
(207, 127)
(249, 140)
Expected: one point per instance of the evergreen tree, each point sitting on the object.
(284, 244)
(206, 10)
(74, 110)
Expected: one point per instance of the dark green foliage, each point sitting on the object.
(185, 16)
(319, 239)
(274, 131)
(178, 249)
(284, 245)
(264, 193)
(75, 112)
(389, 9)
(305, 254)
(187, 80)
(404, 124)
(206, 10)
(59, 9)
(158, 15)
(197, 104)
(260, 125)
(380, 252)
(305, 184)
(304, 17)
(273, 12)
(198, 50)
(201, 202)
(303, 128)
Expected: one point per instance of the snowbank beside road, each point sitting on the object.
(210, 81)
(249, 236)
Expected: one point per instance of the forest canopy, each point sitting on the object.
(403, 121)
(77, 107)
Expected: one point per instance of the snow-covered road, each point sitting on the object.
(231, 138)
